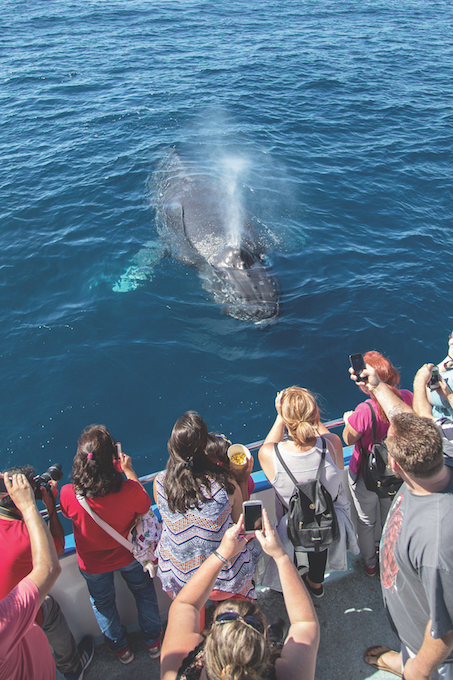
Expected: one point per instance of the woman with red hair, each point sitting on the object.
(358, 430)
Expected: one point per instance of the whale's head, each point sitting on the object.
(244, 286)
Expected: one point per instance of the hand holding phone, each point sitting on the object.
(253, 516)
(433, 383)
(358, 364)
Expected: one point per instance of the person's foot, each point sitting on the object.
(126, 655)
(86, 652)
(372, 571)
(315, 589)
(384, 659)
(154, 650)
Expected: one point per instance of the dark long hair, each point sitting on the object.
(189, 468)
(93, 470)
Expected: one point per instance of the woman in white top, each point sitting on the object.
(298, 412)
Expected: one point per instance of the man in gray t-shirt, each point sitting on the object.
(417, 550)
(416, 555)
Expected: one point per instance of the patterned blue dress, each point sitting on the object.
(188, 539)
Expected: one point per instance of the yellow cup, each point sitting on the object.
(239, 455)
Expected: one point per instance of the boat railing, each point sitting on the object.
(147, 479)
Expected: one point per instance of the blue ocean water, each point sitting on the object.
(339, 117)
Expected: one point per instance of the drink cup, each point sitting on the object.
(238, 455)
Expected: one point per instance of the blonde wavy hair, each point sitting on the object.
(235, 651)
(300, 413)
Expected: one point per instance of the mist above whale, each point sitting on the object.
(207, 227)
(202, 222)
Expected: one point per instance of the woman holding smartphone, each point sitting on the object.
(198, 500)
(298, 413)
(237, 647)
(97, 474)
(358, 430)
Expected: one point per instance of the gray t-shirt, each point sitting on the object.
(417, 565)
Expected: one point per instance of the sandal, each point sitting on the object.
(375, 654)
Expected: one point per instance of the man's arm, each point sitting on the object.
(390, 402)
(55, 527)
(46, 567)
(422, 406)
(429, 657)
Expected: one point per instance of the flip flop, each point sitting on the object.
(376, 653)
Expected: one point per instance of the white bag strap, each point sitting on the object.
(107, 528)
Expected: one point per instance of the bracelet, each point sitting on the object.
(221, 558)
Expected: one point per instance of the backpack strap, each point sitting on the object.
(373, 421)
(288, 471)
(363, 453)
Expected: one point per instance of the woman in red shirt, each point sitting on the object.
(96, 476)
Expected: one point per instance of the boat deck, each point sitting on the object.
(351, 617)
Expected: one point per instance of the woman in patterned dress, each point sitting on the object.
(198, 500)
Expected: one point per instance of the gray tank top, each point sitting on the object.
(304, 467)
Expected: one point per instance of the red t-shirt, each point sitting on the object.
(361, 421)
(24, 649)
(97, 551)
(15, 551)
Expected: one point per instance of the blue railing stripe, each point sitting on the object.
(260, 479)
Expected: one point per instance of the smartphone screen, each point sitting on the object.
(434, 380)
(253, 516)
(357, 363)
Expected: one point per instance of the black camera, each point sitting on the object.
(53, 472)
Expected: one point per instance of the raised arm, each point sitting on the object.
(390, 402)
(46, 567)
(275, 435)
(298, 657)
(55, 527)
(422, 405)
(336, 448)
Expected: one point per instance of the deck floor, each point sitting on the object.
(351, 616)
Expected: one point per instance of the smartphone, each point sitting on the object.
(358, 365)
(253, 516)
(434, 380)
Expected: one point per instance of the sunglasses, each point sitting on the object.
(249, 621)
(222, 436)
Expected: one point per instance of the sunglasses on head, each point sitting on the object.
(250, 621)
(224, 437)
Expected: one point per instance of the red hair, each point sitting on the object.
(386, 372)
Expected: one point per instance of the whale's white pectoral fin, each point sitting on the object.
(136, 275)
(132, 278)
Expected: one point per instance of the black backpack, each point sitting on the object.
(376, 475)
(312, 522)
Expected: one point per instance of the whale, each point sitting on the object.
(202, 222)
(207, 227)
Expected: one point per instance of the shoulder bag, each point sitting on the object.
(378, 477)
(142, 538)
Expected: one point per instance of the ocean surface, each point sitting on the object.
(335, 120)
